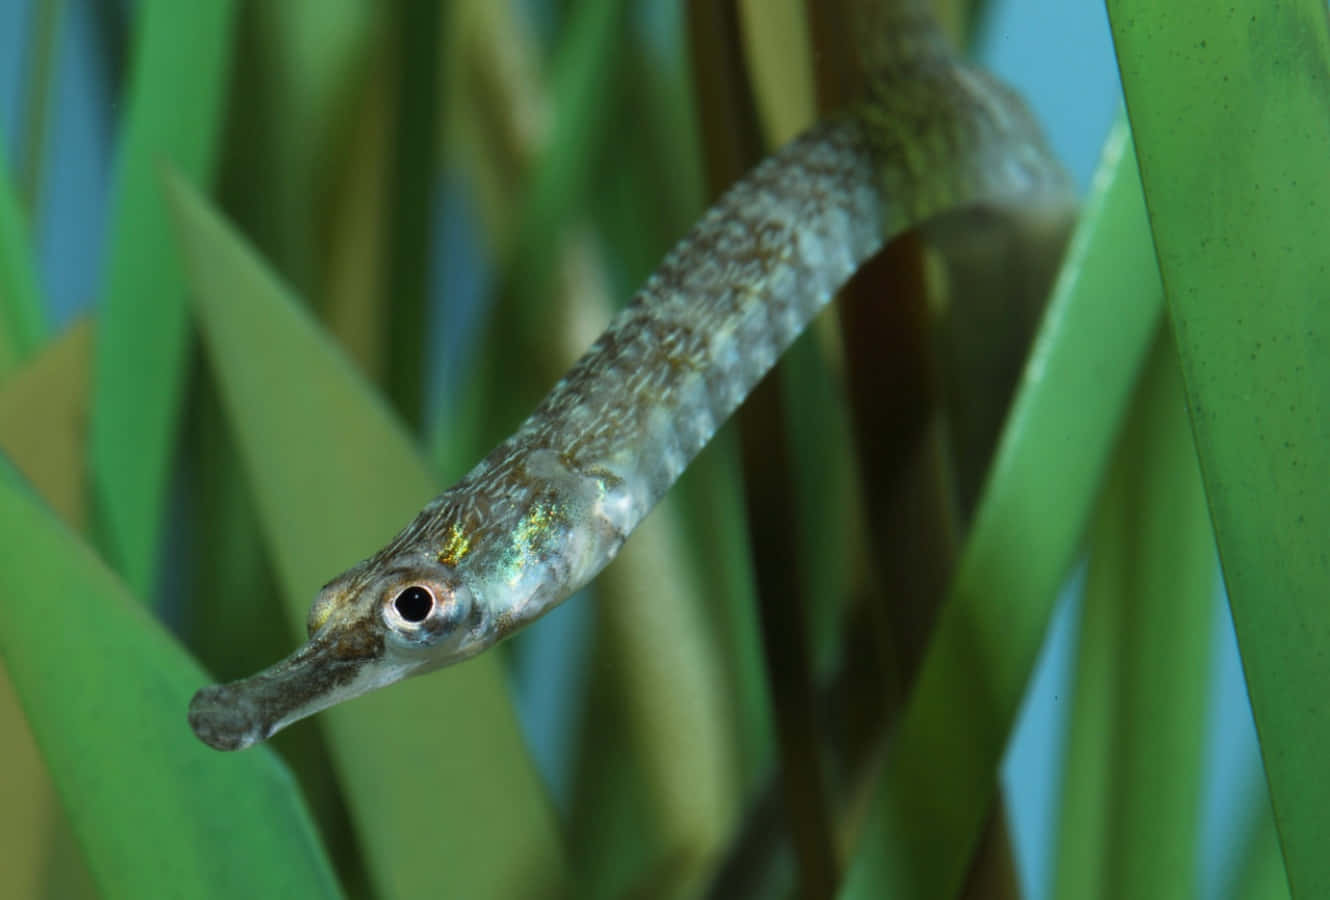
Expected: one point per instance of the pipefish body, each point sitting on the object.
(548, 508)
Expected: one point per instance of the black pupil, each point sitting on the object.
(414, 604)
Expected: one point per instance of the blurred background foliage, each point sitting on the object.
(271, 274)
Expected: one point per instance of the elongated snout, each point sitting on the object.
(325, 671)
(225, 717)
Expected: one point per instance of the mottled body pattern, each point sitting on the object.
(620, 427)
(550, 507)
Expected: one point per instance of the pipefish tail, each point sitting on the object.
(548, 508)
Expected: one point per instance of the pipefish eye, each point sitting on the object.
(414, 604)
(424, 612)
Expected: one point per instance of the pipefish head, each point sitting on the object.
(392, 616)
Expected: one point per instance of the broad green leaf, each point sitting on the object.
(1131, 799)
(174, 113)
(22, 322)
(435, 768)
(1229, 106)
(157, 813)
(931, 801)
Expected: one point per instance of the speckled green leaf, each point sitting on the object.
(1231, 108)
(434, 768)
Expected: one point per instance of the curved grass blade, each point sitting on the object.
(932, 799)
(103, 686)
(22, 321)
(174, 115)
(1167, 586)
(434, 769)
(1132, 797)
(1242, 249)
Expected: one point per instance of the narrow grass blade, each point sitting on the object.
(415, 164)
(43, 420)
(181, 59)
(586, 68)
(353, 301)
(1242, 249)
(435, 768)
(692, 787)
(780, 64)
(28, 805)
(104, 687)
(1086, 800)
(1136, 752)
(931, 800)
(292, 102)
(22, 320)
(41, 54)
(1167, 586)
